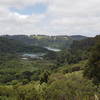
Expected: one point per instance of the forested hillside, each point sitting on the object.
(15, 46)
(70, 74)
(85, 44)
(60, 41)
(78, 37)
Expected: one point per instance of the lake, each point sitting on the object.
(53, 49)
(33, 55)
(38, 55)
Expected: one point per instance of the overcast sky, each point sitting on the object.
(50, 17)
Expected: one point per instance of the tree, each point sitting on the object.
(27, 75)
(72, 87)
(92, 70)
(44, 77)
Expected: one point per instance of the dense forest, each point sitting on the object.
(73, 73)
(46, 41)
(14, 46)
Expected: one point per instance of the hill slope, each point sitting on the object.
(14, 46)
(78, 37)
(85, 44)
(61, 41)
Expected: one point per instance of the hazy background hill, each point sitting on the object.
(85, 44)
(78, 37)
(61, 41)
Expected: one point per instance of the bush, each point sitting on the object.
(75, 86)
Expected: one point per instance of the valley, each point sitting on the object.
(49, 67)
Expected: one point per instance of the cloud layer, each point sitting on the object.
(68, 17)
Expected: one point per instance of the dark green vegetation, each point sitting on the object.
(92, 70)
(78, 37)
(46, 41)
(71, 74)
(14, 46)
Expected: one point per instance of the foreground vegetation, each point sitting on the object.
(70, 86)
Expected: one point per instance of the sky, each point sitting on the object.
(50, 17)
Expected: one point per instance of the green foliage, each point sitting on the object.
(58, 76)
(73, 67)
(85, 44)
(81, 49)
(69, 86)
(92, 70)
(43, 40)
(72, 87)
(44, 77)
(66, 57)
(14, 68)
(14, 46)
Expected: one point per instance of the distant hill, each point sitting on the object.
(78, 37)
(15, 46)
(21, 38)
(85, 44)
(61, 41)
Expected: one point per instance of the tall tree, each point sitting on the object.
(44, 77)
(92, 70)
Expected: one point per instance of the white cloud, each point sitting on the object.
(62, 17)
